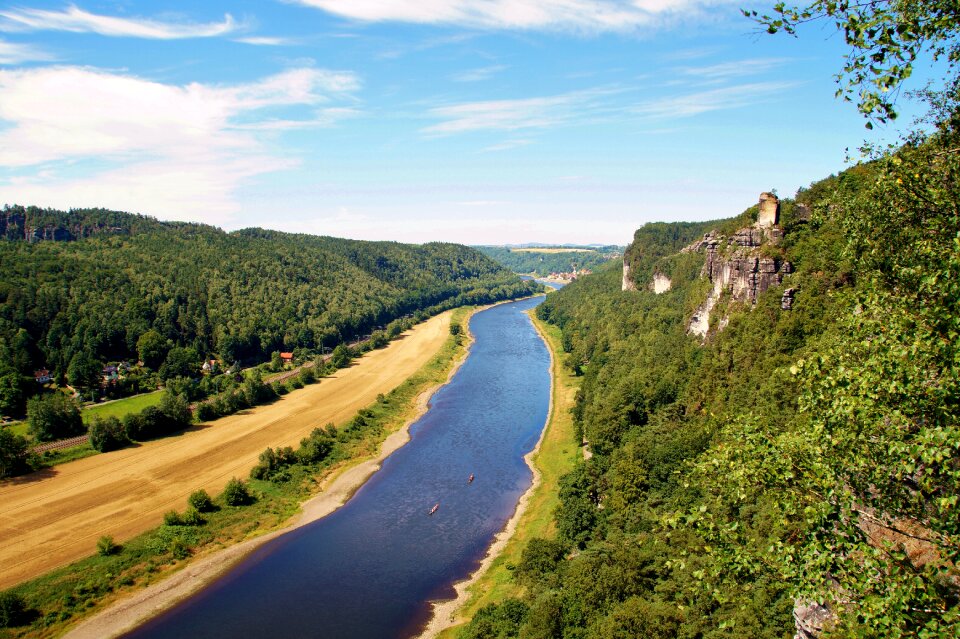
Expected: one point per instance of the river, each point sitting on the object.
(370, 569)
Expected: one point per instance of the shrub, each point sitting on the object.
(307, 376)
(280, 388)
(14, 454)
(295, 383)
(172, 518)
(54, 416)
(107, 434)
(272, 461)
(178, 548)
(106, 546)
(177, 411)
(192, 518)
(133, 426)
(206, 411)
(13, 610)
(316, 447)
(235, 493)
(201, 501)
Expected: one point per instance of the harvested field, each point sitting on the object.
(51, 518)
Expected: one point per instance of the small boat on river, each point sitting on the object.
(434, 509)
(470, 480)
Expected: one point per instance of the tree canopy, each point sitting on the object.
(886, 39)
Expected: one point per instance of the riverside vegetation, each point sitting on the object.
(797, 471)
(283, 479)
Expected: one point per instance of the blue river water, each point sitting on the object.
(370, 569)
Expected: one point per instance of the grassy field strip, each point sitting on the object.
(558, 455)
(116, 408)
(121, 407)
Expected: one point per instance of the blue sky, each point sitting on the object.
(474, 121)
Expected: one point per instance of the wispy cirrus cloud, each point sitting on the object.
(176, 151)
(266, 41)
(514, 115)
(77, 20)
(691, 104)
(507, 145)
(733, 69)
(16, 53)
(479, 75)
(587, 15)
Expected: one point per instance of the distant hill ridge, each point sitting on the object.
(93, 281)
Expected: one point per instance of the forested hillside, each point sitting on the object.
(544, 262)
(122, 286)
(797, 469)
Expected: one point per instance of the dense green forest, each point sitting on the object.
(127, 287)
(798, 469)
(543, 263)
(799, 457)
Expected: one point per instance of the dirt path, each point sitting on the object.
(51, 518)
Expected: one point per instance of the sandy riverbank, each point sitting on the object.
(445, 612)
(127, 614)
(53, 517)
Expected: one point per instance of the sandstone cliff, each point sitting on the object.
(738, 267)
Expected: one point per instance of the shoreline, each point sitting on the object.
(444, 613)
(127, 614)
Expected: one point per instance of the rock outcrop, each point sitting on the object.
(810, 619)
(16, 225)
(627, 284)
(660, 284)
(736, 264)
(769, 214)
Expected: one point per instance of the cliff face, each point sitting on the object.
(627, 284)
(737, 266)
(33, 224)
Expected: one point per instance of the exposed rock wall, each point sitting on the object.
(810, 619)
(14, 225)
(660, 284)
(769, 214)
(627, 284)
(736, 265)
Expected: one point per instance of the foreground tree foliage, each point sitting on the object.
(886, 38)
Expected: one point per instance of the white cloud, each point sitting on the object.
(513, 115)
(507, 145)
(691, 104)
(77, 20)
(266, 41)
(733, 69)
(174, 151)
(478, 75)
(588, 15)
(14, 53)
